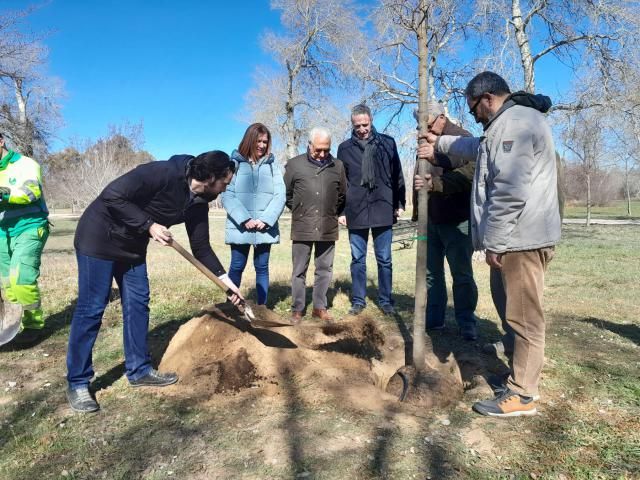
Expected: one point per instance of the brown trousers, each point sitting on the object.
(523, 281)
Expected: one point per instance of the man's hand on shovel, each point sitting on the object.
(236, 297)
(223, 282)
(160, 234)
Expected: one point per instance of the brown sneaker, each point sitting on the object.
(296, 318)
(322, 314)
(506, 404)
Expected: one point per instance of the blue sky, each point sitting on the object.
(180, 67)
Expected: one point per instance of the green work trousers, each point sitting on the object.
(20, 269)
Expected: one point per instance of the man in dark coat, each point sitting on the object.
(316, 186)
(449, 234)
(375, 199)
(111, 243)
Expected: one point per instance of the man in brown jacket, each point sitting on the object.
(448, 234)
(316, 191)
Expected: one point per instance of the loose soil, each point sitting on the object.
(351, 360)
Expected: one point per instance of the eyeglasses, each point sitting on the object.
(432, 122)
(472, 110)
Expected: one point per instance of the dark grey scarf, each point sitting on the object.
(370, 146)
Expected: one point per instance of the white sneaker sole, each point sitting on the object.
(514, 414)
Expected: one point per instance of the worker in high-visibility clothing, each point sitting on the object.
(24, 229)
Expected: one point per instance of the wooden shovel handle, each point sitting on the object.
(200, 266)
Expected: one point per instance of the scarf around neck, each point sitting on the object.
(368, 177)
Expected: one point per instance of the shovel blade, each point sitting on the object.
(10, 319)
(263, 317)
(269, 323)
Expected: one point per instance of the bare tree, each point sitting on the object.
(309, 56)
(77, 175)
(389, 63)
(29, 109)
(584, 138)
(627, 148)
(586, 36)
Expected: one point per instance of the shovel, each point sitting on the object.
(244, 308)
(10, 319)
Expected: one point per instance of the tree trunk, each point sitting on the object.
(588, 198)
(291, 138)
(627, 189)
(523, 46)
(420, 311)
(25, 133)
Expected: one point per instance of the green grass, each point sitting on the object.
(589, 427)
(616, 211)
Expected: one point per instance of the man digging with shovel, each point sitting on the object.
(111, 242)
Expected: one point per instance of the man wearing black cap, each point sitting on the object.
(111, 242)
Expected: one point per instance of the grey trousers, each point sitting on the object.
(323, 259)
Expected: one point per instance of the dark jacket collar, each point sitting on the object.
(181, 163)
(373, 137)
(542, 103)
(320, 164)
(451, 128)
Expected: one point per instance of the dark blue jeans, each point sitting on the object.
(94, 285)
(453, 242)
(239, 257)
(382, 246)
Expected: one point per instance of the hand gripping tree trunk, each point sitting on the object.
(419, 324)
(434, 383)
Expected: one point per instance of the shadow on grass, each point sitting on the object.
(439, 460)
(630, 332)
(158, 340)
(384, 435)
(52, 324)
(291, 425)
(117, 450)
(278, 292)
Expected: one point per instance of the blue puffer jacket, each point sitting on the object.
(254, 192)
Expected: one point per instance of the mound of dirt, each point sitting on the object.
(221, 353)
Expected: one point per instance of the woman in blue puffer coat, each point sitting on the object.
(254, 201)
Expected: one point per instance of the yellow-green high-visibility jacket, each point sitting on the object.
(24, 207)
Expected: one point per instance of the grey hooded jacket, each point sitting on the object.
(514, 199)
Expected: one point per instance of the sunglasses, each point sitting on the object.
(472, 110)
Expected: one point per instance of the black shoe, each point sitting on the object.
(155, 379)
(435, 327)
(469, 333)
(356, 309)
(81, 400)
(388, 310)
(493, 348)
